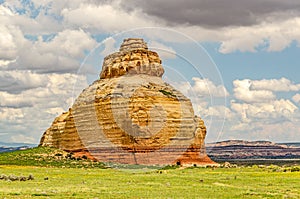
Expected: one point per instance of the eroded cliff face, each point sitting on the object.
(133, 58)
(131, 116)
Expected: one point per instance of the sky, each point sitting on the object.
(237, 60)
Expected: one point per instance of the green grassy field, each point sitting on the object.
(94, 182)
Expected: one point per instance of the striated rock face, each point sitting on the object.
(131, 116)
(133, 58)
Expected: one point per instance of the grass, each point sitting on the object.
(169, 182)
(175, 183)
(46, 157)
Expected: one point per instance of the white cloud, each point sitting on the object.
(57, 90)
(109, 46)
(6, 11)
(208, 99)
(43, 23)
(32, 111)
(11, 38)
(296, 98)
(271, 34)
(5, 63)
(55, 111)
(207, 87)
(165, 52)
(255, 111)
(254, 91)
(17, 81)
(275, 36)
(61, 54)
(243, 91)
(16, 101)
(242, 38)
(281, 84)
(20, 138)
(260, 107)
(71, 42)
(220, 112)
(104, 17)
(277, 132)
(264, 121)
(11, 114)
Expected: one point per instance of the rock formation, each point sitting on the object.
(131, 116)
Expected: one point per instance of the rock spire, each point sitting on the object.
(131, 116)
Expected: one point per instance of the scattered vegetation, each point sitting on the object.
(168, 167)
(167, 93)
(47, 157)
(277, 168)
(52, 173)
(16, 178)
(242, 182)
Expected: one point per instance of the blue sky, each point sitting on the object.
(236, 60)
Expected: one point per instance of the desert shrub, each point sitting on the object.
(295, 169)
(30, 177)
(169, 167)
(13, 178)
(22, 178)
(3, 177)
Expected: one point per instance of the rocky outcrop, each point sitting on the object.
(133, 58)
(131, 116)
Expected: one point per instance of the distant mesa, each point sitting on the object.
(131, 116)
(264, 151)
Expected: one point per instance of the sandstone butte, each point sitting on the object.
(131, 116)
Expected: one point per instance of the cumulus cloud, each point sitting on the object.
(243, 91)
(109, 46)
(165, 52)
(10, 40)
(247, 26)
(262, 90)
(17, 81)
(276, 109)
(30, 112)
(218, 112)
(257, 107)
(281, 84)
(287, 131)
(105, 17)
(61, 54)
(43, 93)
(272, 36)
(30, 17)
(296, 98)
(276, 132)
(207, 87)
(15, 101)
(11, 114)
